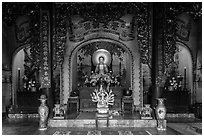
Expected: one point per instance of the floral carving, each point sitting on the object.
(144, 33)
(61, 20)
(167, 35)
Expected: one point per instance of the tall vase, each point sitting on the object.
(43, 113)
(160, 112)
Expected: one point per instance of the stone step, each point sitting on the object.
(102, 123)
(180, 115)
(23, 116)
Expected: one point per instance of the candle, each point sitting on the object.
(19, 72)
(184, 77)
(19, 75)
(120, 68)
(60, 78)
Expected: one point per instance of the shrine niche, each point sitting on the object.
(101, 60)
(115, 57)
(121, 68)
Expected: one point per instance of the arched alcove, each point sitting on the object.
(121, 60)
(184, 61)
(68, 65)
(25, 74)
(17, 72)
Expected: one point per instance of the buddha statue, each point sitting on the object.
(101, 67)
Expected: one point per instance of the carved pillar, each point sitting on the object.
(46, 53)
(157, 51)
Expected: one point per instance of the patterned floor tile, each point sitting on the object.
(62, 133)
(78, 133)
(125, 133)
(140, 133)
(95, 132)
(109, 133)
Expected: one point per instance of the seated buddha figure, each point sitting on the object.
(101, 67)
(101, 70)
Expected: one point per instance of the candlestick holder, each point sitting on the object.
(184, 79)
(19, 75)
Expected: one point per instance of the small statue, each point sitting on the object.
(101, 67)
(103, 97)
(146, 112)
(59, 111)
(101, 71)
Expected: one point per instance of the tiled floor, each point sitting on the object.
(187, 128)
(175, 126)
(91, 115)
(30, 127)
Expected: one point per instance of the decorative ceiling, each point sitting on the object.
(102, 12)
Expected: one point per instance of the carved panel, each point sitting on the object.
(123, 27)
(22, 29)
(183, 30)
(144, 34)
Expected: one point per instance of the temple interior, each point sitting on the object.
(109, 68)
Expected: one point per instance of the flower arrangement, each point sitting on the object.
(173, 83)
(31, 85)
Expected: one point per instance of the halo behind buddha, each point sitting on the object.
(101, 53)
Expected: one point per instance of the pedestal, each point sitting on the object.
(71, 102)
(102, 116)
(127, 104)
